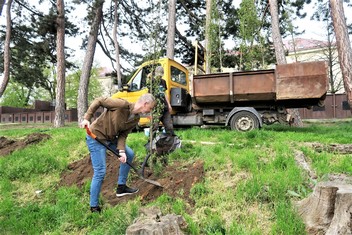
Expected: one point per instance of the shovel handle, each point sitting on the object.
(91, 134)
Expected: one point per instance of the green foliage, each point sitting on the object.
(255, 52)
(22, 97)
(214, 35)
(249, 21)
(153, 84)
(33, 48)
(14, 96)
(95, 88)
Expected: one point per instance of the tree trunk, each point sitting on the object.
(2, 3)
(280, 52)
(117, 48)
(170, 52)
(328, 209)
(7, 53)
(59, 120)
(82, 101)
(207, 37)
(277, 39)
(343, 45)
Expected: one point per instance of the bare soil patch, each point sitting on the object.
(177, 180)
(7, 146)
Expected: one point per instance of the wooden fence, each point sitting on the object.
(336, 107)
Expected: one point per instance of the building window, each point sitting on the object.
(345, 105)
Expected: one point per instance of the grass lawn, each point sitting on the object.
(251, 180)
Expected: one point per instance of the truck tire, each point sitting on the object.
(244, 121)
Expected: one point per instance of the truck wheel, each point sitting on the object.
(244, 121)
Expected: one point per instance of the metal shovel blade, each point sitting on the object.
(151, 181)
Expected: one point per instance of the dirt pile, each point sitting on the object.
(7, 146)
(177, 180)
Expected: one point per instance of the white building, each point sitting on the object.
(106, 81)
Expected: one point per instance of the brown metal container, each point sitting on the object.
(287, 82)
(301, 80)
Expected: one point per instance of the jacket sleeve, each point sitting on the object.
(121, 141)
(105, 102)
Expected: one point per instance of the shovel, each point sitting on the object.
(117, 155)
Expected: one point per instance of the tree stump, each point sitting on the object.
(151, 222)
(342, 221)
(328, 210)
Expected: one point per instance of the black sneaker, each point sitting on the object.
(95, 209)
(123, 190)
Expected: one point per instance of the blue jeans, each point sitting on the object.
(98, 157)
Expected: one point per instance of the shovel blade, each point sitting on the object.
(152, 182)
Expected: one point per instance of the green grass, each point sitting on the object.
(251, 183)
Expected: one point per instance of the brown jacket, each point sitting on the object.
(117, 120)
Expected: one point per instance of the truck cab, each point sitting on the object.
(175, 75)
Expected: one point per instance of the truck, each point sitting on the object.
(243, 100)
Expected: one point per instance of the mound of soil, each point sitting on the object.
(7, 146)
(177, 180)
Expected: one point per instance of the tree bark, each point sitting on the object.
(117, 48)
(7, 52)
(170, 52)
(207, 37)
(82, 101)
(2, 3)
(277, 39)
(328, 209)
(59, 120)
(280, 52)
(341, 222)
(343, 45)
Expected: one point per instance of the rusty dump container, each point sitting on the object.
(285, 84)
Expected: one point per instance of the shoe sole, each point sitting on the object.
(125, 194)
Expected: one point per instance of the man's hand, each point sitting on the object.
(123, 157)
(84, 123)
